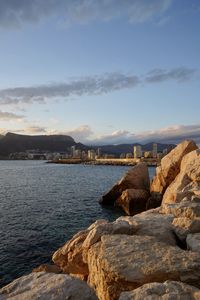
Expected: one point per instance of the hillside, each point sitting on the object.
(128, 148)
(19, 143)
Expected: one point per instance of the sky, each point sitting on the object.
(102, 71)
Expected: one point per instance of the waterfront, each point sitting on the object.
(43, 205)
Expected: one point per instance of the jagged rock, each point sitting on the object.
(120, 263)
(72, 257)
(69, 257)
(47, 286)
(168, 290)
(169, 168)
(183, 226)
(193, 242)
(152, 223)
(136, 178)
(133, 201)
(185, 209)
(48, 269)
(187, 183)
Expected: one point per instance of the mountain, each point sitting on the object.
(128, 148)
(12, 142)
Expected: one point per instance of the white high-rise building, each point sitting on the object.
(155, 150)
(137, 151)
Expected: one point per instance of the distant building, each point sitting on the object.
(73, 149)
(91, 154)
(77, 153)
(165, 151)
(155, 150)
(129, 155)
(99, 152)
(123, 155)
(137, 151)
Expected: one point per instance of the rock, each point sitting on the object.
(169, 168)
(183, 226)
(133, 201)
(187, 183)
(72, 257)
(48, 269)
(193, 242)
(136, 178)
(69, 257)
(152, 223)
(47, 286)
(168, 290)
(185, 209)
(121, 263)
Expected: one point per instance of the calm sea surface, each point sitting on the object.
(43, 205)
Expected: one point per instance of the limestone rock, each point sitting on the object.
(133, 201)
(121, 263)
(47, 286)
(136, 178)
(193, 242)
(152, 223)
(187, 183)
(72, 257)
(183, 226)
(69, 257)
(168, 290)
(170, 167)
(48, 269)
(185, 209)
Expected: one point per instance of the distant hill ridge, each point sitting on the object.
(12, 142)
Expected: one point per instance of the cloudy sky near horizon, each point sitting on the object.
(102, 71)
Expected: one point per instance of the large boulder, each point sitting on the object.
(136, 178)
(72, 257)
(121, 263)
(183, 226)
(169, 168)
(187, 183)
(152, 223)
(47, 286)
(133, 201)
(168, 290)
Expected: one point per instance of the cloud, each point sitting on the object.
(93, 85)
(173, 134)
(14, 13)
(90, 85)
(177, 74)
(8, 116)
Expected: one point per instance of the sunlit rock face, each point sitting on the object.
(170, 168)
(136, 178)
(121, 263)
(187, 182)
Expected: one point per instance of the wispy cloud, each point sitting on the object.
(9, 116)
(14, 13)
(177, 74)
(90, 85)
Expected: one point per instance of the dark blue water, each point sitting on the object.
(43, 205)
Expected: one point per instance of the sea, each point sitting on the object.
(43, 205)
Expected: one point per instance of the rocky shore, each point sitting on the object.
(152, 253)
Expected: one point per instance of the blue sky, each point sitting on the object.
(103, 71)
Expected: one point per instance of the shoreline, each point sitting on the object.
(104, 162)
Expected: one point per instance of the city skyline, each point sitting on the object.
(103, 72)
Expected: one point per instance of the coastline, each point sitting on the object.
(104, 162)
